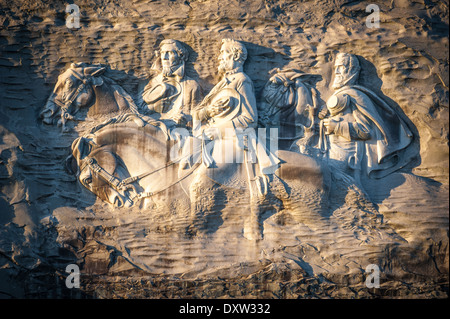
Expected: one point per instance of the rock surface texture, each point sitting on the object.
(314, 232)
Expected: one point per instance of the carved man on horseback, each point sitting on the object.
(170, 95)
(229, 111)
(129, 160)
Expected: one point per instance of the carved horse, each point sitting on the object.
(83, 86)
(289, 102)
(135, 162)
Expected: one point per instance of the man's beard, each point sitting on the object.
(221, 68)
(167, 70)
(339, 81)
(342, 80)
(225, 66)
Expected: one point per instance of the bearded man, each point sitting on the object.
(225, 122)
(230, 111)
(366, 136)
(172, 94)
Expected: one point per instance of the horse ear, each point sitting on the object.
(94, 70)
(71, 165)
(75, 65)
(78, 147)
(99, 72)
(95, 73)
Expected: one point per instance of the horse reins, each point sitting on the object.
(126, 184)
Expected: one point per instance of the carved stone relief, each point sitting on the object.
(229, 158)
(356, 135)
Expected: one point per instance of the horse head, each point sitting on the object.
(82, 86)
(288, 102)
(95, 168)
(287, 90)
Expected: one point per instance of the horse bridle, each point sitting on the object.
(65, 115)
(126, 185)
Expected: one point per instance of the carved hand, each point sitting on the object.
(216, 109)
(180, 119)
(330, 125)
(212, 132)
(323, 112)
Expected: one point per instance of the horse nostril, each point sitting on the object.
(87, 180)
(117, 201)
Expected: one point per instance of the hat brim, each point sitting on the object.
(159, 92)
(229, 97)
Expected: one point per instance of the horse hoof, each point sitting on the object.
(252, 233)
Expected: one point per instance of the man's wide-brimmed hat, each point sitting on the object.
(231, 99)
(161, 91)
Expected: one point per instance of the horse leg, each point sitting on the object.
(205, 197)
(253, 229)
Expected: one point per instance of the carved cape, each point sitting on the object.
(384, 151)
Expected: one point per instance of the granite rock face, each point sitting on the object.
(317, 232)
